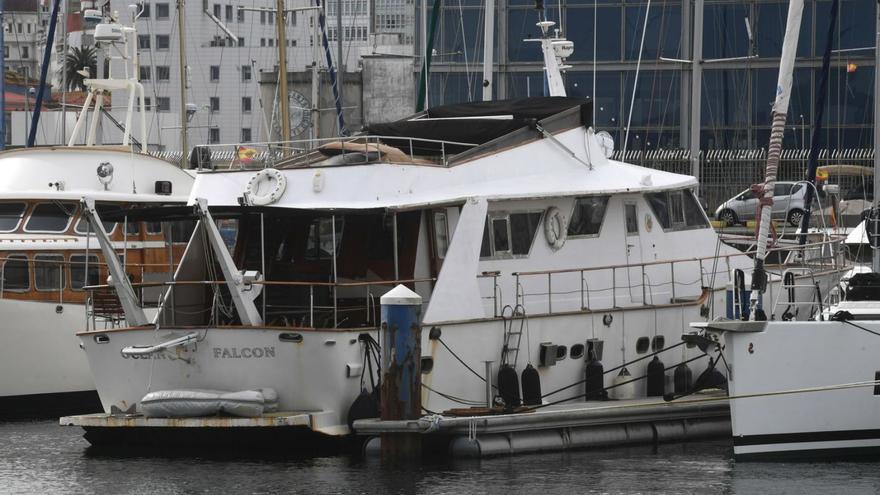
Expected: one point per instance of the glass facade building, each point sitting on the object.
(736, 94)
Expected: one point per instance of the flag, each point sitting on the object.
(246, 155)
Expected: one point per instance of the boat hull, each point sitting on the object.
(44, 372)
(828, 423)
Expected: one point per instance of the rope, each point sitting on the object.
(459, 400)
(615, 369)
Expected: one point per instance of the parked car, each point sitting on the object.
(788, 204)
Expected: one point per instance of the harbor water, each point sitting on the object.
(44, 458)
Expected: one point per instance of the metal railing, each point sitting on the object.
(312, 314)
(629, 285)
(272, 153)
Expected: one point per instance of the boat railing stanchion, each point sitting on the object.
(613, 287)
(672, 279)
(582, 289)
(443, 152)
(312, 305)
(488, 383)
(549, 293)
(643, 283)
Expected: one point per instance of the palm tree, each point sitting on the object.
(76, 60)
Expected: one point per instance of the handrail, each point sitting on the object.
(289, 283)
(678, 260)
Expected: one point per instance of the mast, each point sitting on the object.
(816, 138)
(780, 109)
(2, 83)
(44, 69)
(283, 102)
(422, 101)
(181, 35)
(339, 62)
(696, 92)
(876, 201)
(488, 49)
(64, 70)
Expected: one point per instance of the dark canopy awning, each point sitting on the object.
(464, 124)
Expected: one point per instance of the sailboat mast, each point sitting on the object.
(488, 49)
(181, 30)
(774, 150)
(340, 76)
(283, 102)
(2, 83)
(696, 91)
(874, 204)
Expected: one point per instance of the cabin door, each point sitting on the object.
(634, 278)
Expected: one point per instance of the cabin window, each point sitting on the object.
(441, 233)
(132, 228)
(500, 236)
(48, 272)
(78, 277)
(642, 345)
(153, 227)
(228, 228)
(586, 219)
(632, 219)
(182, 230)
(82, 225)
(523, 227)
(10, 216)
(320, 243)
(512, 234)
(49, 217)
(677, 210)
(15, 273)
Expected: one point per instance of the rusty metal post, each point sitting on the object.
(401, 369)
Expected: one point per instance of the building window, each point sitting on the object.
(240, 41)
(215, 73)
(214, 135)
(163, 103)
(25, 52)
(271, 17)
(78, 277)
(48, 273)
(245, 134)
(217, 9)
(246, 104)
(229, 13)
(144, 73)
(262, 41)
(162, 11)
(143, 41)
(16, 276)
(145, 14)
(163, 73)
(240, 15)
(163, 41)
(291, 17)
(245, 72)
(215, 104)
(147, 103)
(262, 17)
(271, 41)
(5, 51)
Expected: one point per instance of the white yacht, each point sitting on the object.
(526, 242)
(47, 255)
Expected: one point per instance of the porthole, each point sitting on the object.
(658, 343)
(577, 351)
(290, 337)
(642, 345)
(561, 352)
(427, 365)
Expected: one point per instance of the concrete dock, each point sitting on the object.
(563, 427)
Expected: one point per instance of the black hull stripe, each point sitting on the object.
(831, 455)
(809, 436)
(49, 406)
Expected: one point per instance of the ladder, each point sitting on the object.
(510, 316)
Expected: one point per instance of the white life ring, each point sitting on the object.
(555, 228)
(260, 190)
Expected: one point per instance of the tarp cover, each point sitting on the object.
(472, 130)
(194, 403)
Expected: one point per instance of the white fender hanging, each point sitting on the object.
(265, 187)
(555, 228)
